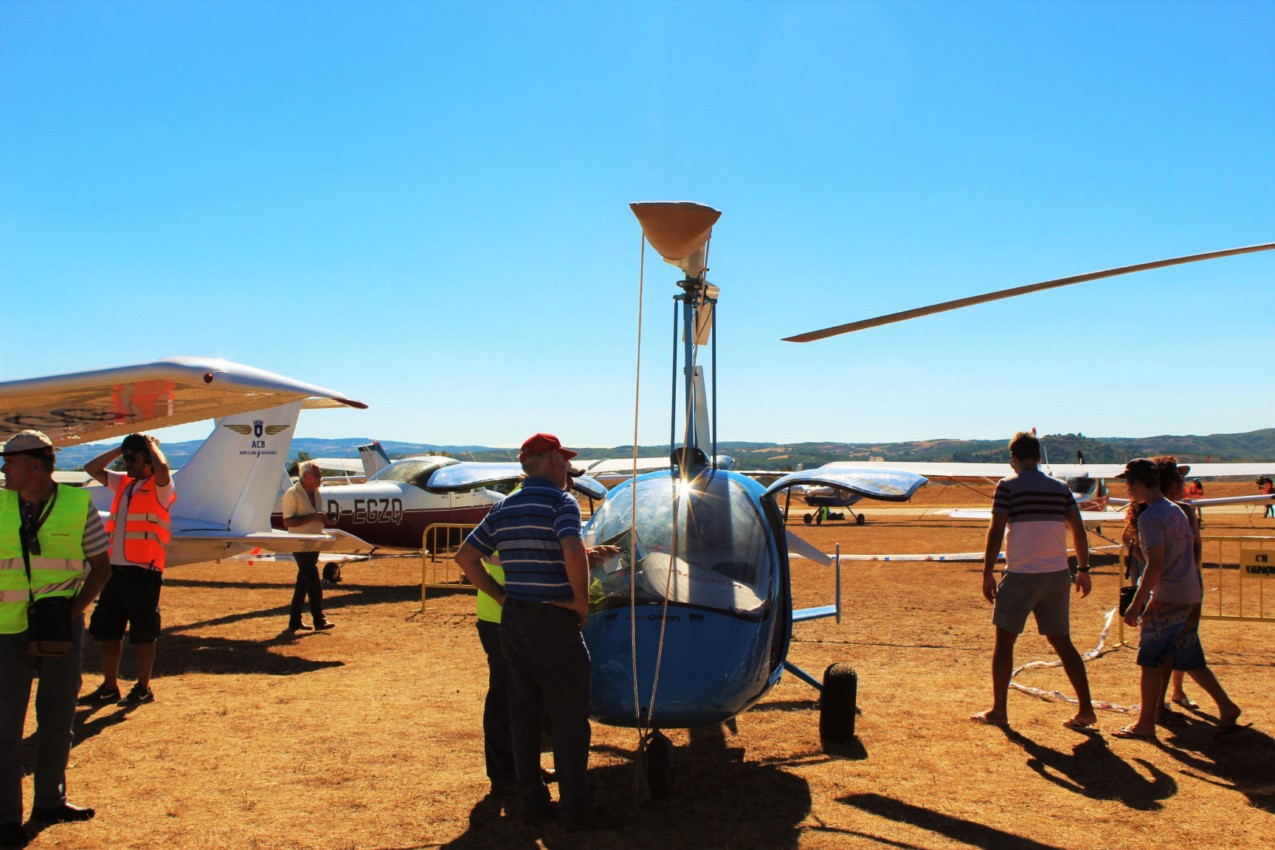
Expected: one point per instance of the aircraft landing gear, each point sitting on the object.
(860, 519)
(657, 761)
(837, 704)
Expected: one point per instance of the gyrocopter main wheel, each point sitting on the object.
(837, 705)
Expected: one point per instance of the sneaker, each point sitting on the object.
(324, 626)
(102, 695)
(137, 696)
(65, 813)
(300, 627)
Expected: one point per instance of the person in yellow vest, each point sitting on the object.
(498, 744)
(55, 529)
(139, 530)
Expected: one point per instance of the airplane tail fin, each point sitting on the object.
(232, 482)
(374, 458)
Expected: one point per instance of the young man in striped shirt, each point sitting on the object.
(1038, 511)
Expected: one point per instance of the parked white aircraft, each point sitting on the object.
(396, 504)
(226, 491)
(1087, 482)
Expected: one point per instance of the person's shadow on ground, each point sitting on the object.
(1092, 769)
(1239, 758)
(716, 792)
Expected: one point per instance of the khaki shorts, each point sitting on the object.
(1047, 595)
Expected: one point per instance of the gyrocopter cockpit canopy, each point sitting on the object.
(701, 543)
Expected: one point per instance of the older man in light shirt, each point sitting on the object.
(303, 513)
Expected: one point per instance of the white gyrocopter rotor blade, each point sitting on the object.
(1020, 290)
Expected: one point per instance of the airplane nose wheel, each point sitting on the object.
(837, 704)
(657, 761)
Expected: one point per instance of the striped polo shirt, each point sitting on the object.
(1037, 507)
(527, 527)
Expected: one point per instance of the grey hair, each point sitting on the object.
(309, 466)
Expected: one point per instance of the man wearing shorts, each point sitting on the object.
(1038, 511)
(1170, 593)
(139, 530)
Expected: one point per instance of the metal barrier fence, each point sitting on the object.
(1236, 573)
(442, 574)
(1236, 570)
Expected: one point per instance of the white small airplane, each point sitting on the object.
(225, 492)
(1087, 482)
(402, 499)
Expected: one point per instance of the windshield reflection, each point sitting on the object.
(414, 471)
(717, 555)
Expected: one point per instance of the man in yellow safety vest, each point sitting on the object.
(52, 544)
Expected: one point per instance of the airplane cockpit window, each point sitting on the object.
(717, 554)
(414, 471)
(1082, 485)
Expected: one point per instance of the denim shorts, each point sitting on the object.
(1171, 632)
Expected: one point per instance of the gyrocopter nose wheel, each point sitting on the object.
(837, 704)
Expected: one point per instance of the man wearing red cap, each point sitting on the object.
(544, 603)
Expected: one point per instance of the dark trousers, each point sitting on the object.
(548, 668)
(58, 688)
(498, 741)
(307, 585)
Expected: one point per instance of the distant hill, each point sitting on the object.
(1061, 448)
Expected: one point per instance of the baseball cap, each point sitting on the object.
(1142, 470)
(27, 441)
(543, 443)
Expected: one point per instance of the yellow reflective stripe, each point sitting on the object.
(69, 584)
(141, 535)
(61, 565)
(12, 564)
(151, 518)
(13, 596)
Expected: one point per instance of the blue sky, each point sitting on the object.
(424, 205)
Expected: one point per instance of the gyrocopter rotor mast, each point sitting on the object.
(680, 232)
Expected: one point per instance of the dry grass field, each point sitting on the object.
(369, 736)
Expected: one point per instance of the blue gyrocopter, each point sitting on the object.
(691, 624)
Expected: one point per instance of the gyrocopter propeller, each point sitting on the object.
(691, 624)
(957, 304)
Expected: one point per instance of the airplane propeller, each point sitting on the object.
(1019, 290)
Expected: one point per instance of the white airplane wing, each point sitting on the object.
(339, 464)
(956, 471)
(468, 475)
(937, 470)
(84, 407)
(1087, 517)
(620, 466)
(890, 485)
(1230, 500)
